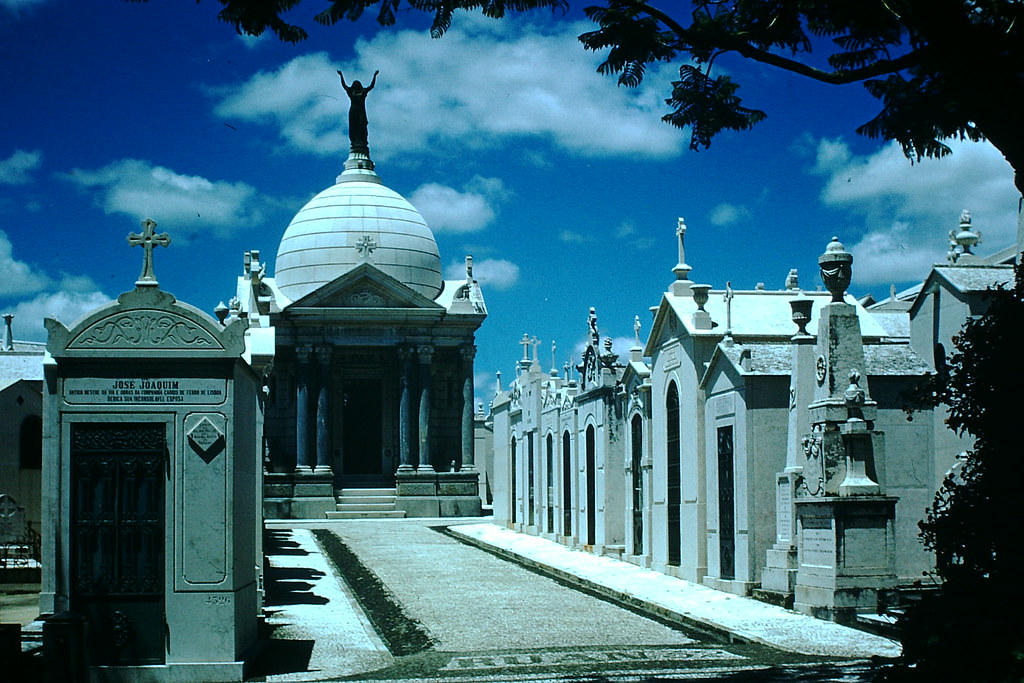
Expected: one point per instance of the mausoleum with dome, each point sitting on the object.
(368, 402)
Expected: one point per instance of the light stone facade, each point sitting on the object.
(151, 489)
(371, 389)
(692, 456)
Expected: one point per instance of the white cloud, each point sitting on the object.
(65, 306)
(484, 83)
(492, 273)
(726, 215)
(139, 189)
(572, 237)
(19, 278)
(449, 210)
(16, 169)
(65, 297)
(904, 212)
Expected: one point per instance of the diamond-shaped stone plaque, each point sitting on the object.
(206, 439)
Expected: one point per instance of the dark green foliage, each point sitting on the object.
(972, 628)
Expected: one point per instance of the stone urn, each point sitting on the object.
(836, 269)
(700, 295)
(801, 311)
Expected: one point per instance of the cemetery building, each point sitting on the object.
(21, 430)
(753, 444)
(152, 545)
(368, 406)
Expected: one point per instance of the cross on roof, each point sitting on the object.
(366, 245)
(727, 297)
(147, 240)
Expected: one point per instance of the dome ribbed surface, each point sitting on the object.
(356, 221)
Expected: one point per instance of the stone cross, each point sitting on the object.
(681, 270)
(147, 240)
(365, 246)
(727, 297)
(525, 343)
(535, 343)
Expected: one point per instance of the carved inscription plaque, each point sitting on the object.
(108, 390)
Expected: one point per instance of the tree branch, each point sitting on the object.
(727, 43)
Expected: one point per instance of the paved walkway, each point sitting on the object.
(741, 618)
(493, 618)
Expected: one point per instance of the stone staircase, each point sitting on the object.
(365, 504)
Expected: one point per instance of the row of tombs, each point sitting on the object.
(734, 448)
(760, 442)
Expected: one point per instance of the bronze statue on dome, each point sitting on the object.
(357, 122)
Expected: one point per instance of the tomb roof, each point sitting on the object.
(357, 220)
(775, 359)
(760, 314)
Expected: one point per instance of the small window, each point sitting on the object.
(30, 443)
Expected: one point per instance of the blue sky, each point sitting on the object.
(564, 187)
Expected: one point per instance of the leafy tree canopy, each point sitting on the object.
(941, 68)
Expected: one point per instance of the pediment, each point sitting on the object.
(365, 286)
(666, 325)
(145, 322)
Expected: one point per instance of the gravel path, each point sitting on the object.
(469, 600)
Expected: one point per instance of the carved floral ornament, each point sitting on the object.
(142, 329)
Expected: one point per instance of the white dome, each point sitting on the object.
(358, 220)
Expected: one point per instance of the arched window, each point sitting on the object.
(549, 497)
(591, 487)
(566, 484)
(30, 443)
(674, 470)
(637, 445)
(512, 480)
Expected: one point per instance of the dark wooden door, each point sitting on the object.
(362, 432)
(726, 505)
(636, 460)
(118, 475)
(674, 457)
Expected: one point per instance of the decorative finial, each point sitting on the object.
(595, 338)
(8, 332)
(147, 240)
(962, 241)
(792, 280)
(727, 297)
(554, 348)
(836, 269)
(636, 329)
(700, 295)
(497, 382)
(221, 311)
(801, 314)
(469, 268)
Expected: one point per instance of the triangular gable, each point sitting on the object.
(662, 327)
(961, 288)
(365, 286)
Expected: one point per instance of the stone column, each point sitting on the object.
(303, 450)
(323, 415)
(405, 411)
(425, 353)
(468, 418)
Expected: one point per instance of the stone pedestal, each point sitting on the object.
(438, 494)
(779, 573)
(298, 495)
(846, 556)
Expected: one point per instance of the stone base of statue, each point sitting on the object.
(298, 495)
(438, 494)
(846, 555)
